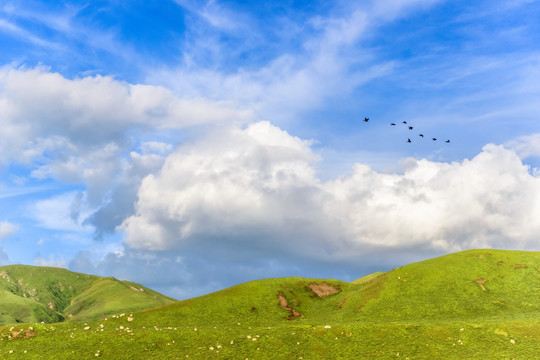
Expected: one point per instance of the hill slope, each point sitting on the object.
(44, 294)
(480, 304)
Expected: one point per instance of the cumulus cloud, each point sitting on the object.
(91, 111)
(96, 131)
(7, 229)
(255, 189)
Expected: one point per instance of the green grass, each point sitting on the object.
(30, 294)
(433, 309)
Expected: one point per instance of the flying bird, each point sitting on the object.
(447, 141)
(366, 119)
(434, 139)
(408, 140)
(410, 127)
(422, 135)
(392, 124)
(404, 122)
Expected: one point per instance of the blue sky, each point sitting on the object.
(192, 145)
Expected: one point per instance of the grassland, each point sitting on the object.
(44, 294)
(479, 304)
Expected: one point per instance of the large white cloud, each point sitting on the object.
(43, 110)
(256, 188)
(96, 131)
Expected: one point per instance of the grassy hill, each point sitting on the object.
(479, 304)
(44, 294)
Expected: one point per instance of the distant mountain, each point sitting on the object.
(30, 294)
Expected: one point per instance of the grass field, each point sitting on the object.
(479, 304)
(44, 294)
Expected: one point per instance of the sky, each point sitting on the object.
(193, 145)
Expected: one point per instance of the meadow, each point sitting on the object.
(478, 304)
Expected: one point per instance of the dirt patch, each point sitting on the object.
(283, 303)
(500, 262)
(22, 334)
(481, 282)
(322, 290)
(519, 266)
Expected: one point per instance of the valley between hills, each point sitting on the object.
(476, 304)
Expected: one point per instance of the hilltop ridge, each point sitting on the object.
(47, 294)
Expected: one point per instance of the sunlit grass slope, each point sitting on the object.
(44, 294)
(481, 304)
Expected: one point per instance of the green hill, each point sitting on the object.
(478, 304)
(43, 294)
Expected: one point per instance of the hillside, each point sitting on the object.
(30, 294)
(478, 304)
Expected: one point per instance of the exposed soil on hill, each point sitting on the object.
(322, 290)
(283, 303)
(481, 282)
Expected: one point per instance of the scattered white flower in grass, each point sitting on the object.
(232, 342)
(219, 346)
(327, 327)
(11, 351)
(129, 319)
(512, 341)
(121, 327)
(211, 348)
(238, 323)
(195, 329)
(254, 339)
(11, 328)
(249, 336)
(461, 329)
(87, 328)
(297, 343)
(101, 326)
(31, 328)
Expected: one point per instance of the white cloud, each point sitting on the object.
(51, 261)
(84, 131)
(7, 229)
(256, 189)
(64, 212)
(526, 146)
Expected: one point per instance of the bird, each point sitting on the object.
(447, 141)
(408, 140)
(392, 124)
(434, 139)
(422, 135)
(410, 127)
(404, 122)
(366, 119)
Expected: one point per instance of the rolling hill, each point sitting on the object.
(477, 304)
(44, 294)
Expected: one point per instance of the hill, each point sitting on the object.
(478, 304)
(31, 294)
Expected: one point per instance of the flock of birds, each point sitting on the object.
(366, 119)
